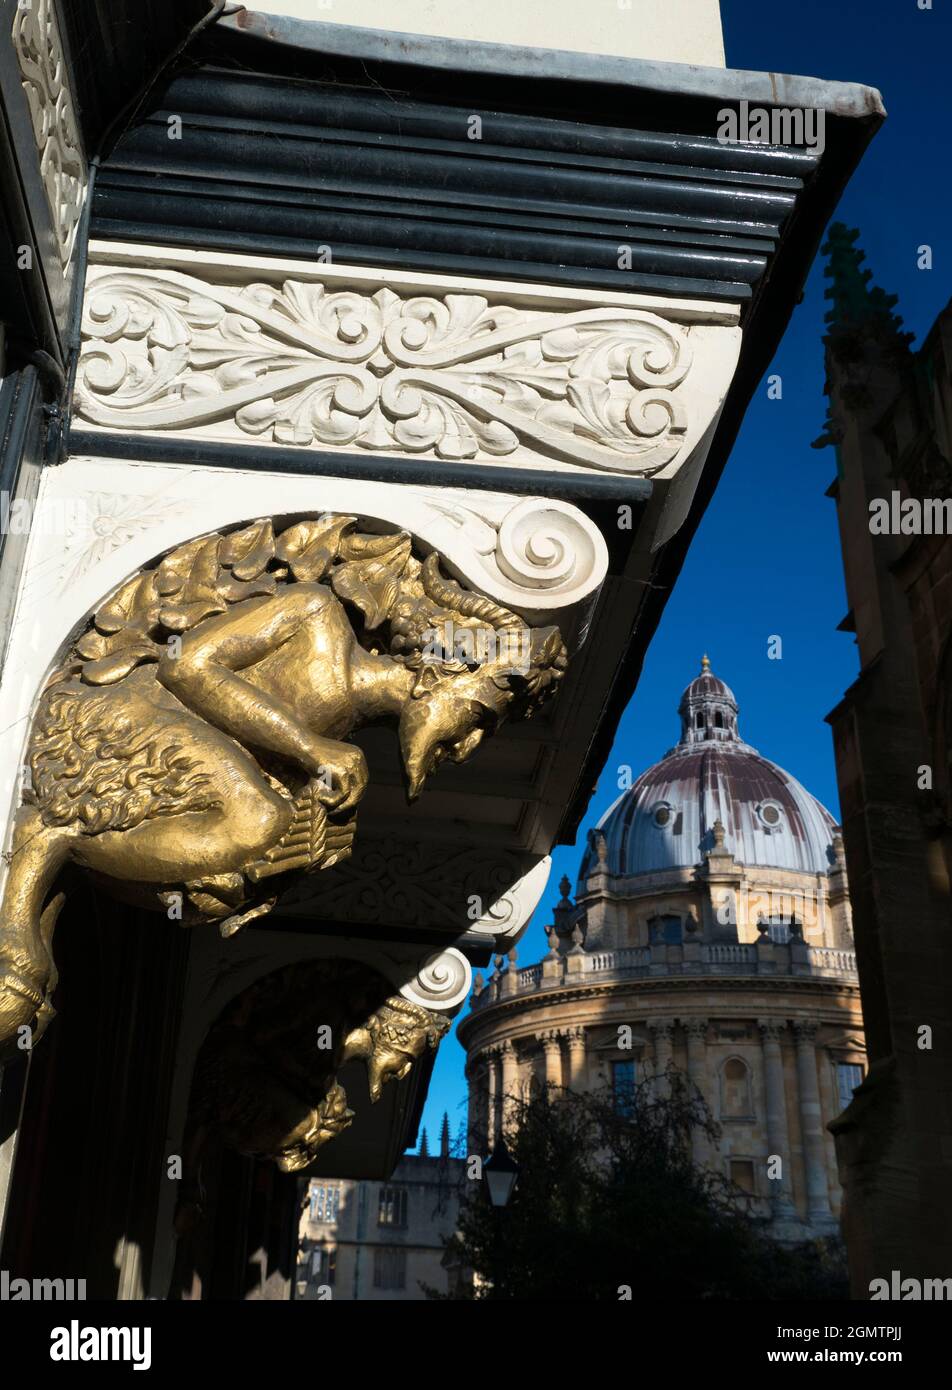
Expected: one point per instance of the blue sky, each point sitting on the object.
(766, 557)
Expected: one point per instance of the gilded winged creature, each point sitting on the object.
(193, 744)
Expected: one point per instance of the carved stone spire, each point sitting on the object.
(862, 327)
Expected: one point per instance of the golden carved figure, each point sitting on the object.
(392, 1039)
(263, 1088)
(192, 745)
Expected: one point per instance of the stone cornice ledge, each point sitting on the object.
(510, 60)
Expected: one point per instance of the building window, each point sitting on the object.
(779, 932)
(324, 1202)
(735, 1090)
(667, 930)
(393, 1207)
(742, 1175)
(848, 1077)
(624, 1081)
(323, 1266)
(390, 1267)
(699, 721)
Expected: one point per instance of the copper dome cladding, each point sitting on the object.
(665, 820)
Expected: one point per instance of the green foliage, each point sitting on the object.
(607, 1200)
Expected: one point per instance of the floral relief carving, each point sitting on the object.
(451, 376)
(101, 522)
(409, 884)
(39, 51)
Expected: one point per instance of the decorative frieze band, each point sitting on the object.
(307, 359)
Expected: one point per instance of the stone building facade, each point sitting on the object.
(890, 413)
(711, 931)
(381, 1240)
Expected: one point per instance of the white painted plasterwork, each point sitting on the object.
(250, 351)
(42, 61)
(679, 31)
(97, 521)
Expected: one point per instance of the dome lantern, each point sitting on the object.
(708, 709)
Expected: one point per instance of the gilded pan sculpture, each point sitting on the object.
(192, 746)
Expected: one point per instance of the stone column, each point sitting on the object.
(696, 1029)
(475, 1075)
(811, 1123)
(552, 1047)
(662, 1030)
(510, 1083)
(778, 1138)
(576, 1040)
(492, 1093)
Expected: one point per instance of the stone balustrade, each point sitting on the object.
(795, 958)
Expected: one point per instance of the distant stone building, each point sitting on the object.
(372, 1240)
(713, 920)
(891, 425)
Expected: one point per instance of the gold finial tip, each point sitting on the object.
(705, 663)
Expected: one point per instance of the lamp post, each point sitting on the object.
(500, 1172)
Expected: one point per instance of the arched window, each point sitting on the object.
(736, 1102)
(718, 720)
(699, 721)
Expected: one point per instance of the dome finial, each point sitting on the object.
(705, 663)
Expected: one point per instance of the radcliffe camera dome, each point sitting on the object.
(713, 917)
(666, 819)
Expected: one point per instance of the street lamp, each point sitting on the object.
(500, 1172)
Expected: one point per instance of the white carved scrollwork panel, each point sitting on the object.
(39, 50)
(450, 374)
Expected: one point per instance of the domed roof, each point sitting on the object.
(666, 819)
